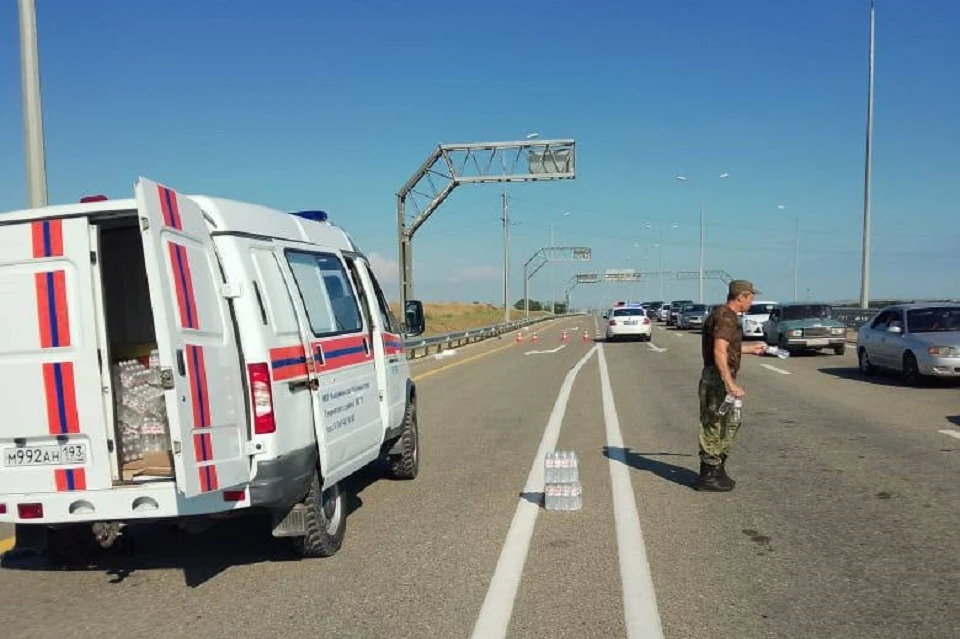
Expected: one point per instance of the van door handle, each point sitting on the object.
(304, 384)
(181, 365)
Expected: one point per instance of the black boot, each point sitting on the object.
(724, 477)
(710, 479)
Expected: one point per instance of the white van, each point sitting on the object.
(182, 357)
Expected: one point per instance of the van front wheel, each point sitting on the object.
(406, 463)
(325, 520)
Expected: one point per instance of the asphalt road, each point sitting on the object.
(844, 521)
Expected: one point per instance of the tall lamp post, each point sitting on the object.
(659, 245)
(796, 251)
(865, 264)
(683, 178)
(32, 111)
(505, 218)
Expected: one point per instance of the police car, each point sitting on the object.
(628, 321)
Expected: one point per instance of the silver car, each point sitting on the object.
(916, 339)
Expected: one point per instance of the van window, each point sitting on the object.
(326, 293)
(273, 290)
(390, 324)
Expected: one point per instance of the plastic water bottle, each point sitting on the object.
(782, 353)
(726, 405)
(737, 413)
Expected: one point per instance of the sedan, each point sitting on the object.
(629, 323)
(917, 340)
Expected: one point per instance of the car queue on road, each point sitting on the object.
(918, 341)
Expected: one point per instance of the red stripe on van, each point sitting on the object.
(52, 312)
(196, 365)
(340, 352)
(70, 479)
(61, 398)
(287, 362)
(183, 285)
(170, 207)
(47, 238)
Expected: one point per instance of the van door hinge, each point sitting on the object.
(144, 223)
(166, 378)
(230, 291)
(93, 257)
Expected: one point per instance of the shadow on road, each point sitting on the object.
(642, 461)
(887, 378)
(203, 555)
(954, 419)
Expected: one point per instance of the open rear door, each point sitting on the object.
(196, 341)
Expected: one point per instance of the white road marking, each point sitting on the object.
(775, 369)
(641, 617)
(553, 350)
(655, 348)
(678, 334)
(950, 433)
(497, 609)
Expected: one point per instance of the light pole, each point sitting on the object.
(865, 264)
(683, 178)
(796, 251)
(660, 246)
(32, 111)
(505, 218)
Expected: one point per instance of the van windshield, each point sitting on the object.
(760, 309)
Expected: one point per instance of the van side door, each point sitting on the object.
(341, 363)
(388, 344)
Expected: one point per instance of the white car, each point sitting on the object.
(628, 322)
(753, 320)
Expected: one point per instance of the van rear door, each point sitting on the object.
(52, 434)
(196, 342)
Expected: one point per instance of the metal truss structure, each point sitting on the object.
(451, 165)
(550, 254)
(621, 276)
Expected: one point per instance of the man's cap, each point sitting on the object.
(742, 286)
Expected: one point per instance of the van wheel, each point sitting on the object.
(406, 464)
(325, 519)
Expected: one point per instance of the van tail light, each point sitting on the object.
(3, 509)
(234, 495)
(30, 511)
(261, 394)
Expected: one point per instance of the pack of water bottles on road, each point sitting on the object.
(562, 489)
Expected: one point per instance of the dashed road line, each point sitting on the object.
(775, 369)
(950, 433)
(641, 617)
(552, 350)
(494, 618)
(656, 349)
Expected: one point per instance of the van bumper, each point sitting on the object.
(140, 502)
(285, 480)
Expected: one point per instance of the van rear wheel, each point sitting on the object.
(325, 521)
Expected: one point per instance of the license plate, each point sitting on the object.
(46, 455)
(631, 322)
(817, 342)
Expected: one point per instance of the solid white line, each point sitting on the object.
(775, 369)
(678, 334)
(951, 433)
(656, 349)
(640, 613)
(494, 618)
(562, 346)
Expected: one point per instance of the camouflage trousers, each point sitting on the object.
(717, 432)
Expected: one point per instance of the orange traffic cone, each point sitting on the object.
(563, 337)
(536, 338)
(586, 336)
(519, 337)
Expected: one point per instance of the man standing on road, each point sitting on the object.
(721, 347)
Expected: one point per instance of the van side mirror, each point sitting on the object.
(415, 321)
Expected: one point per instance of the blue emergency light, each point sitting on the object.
(316, 216)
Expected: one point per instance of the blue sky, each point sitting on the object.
(335, 105)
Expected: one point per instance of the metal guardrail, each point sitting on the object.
(417, 347)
